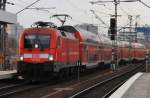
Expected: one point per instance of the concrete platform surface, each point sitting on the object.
(7, 74)
(137, 86)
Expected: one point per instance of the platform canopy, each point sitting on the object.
(7, 17)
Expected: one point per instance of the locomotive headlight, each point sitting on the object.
(36, 46)
(21, 58)
(50, 58)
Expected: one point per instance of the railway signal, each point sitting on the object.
(113, 31)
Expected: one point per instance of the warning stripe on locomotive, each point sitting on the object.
(35, 55)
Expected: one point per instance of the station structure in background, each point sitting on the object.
(5, 18)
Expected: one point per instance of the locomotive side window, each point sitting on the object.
(43, 41)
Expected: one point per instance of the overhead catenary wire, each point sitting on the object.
(42, 8)
(125, 25)
(67, 0)
(76, 7)
(97, 17)
(116, 2)
(144, 3)
(23, 3)
(18, 4)
(109, 14)
(78, 21)
(27, 6)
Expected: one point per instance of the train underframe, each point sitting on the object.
(30, 71)
(45, 71)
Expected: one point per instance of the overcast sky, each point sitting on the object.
(79, 10)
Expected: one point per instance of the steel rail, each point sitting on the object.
(19, 88)
(114, 89)
(6, 89)
(101, 83)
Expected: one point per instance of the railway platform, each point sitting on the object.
(138, 86)
(7, 74)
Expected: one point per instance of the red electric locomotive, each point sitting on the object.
(46, 50)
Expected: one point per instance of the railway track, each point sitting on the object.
(106, 87)
(10, 89)
(45, 90)
(69, 90)
(13, 88)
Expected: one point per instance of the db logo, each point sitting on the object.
(35, 57)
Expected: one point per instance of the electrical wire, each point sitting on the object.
(144, 3)
(125, 25)
(16, 4)
(27, 6)
(103, 13)
(97, 17)
(74, 6)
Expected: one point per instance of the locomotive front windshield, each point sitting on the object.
(37, 41)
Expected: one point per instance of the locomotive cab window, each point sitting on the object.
(37, 41)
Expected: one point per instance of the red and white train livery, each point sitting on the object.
(46, 49)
